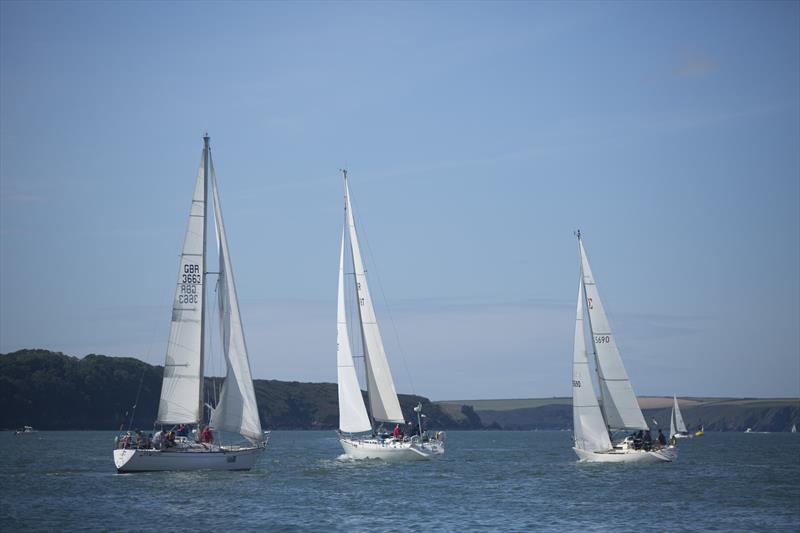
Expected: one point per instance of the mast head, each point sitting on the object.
(578, 234)
(346, 193)
(206, 138)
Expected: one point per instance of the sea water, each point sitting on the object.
(487, 481)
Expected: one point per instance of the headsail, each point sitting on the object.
(183, 373)
(237, 410)
(589, 427)
(352, 412)
(619, 404)
(382, 396)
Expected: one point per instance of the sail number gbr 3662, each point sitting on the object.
(191, 279)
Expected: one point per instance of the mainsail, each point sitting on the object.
(237, 410)
(182, 385)
(589, 427)
(619, 403)
(676, 424)
(382, 396)
(352, 412)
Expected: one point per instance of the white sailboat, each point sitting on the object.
(357, 433)
(182, 392)
(677, 428)
(595, 422)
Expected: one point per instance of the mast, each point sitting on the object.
(361, 328)
(206, 157)
(594, 348)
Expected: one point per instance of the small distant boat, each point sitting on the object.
(182, 392)
(24, 430)
(357, 433)
(677, 428)
(748, 430)
(700, 432)
(596, 422)
(794, 428)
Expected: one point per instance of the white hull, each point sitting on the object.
(664, 455)
(392, 450)
(151, 460)
(683, 435)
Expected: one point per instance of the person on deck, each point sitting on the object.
(637, 440)
(648, 440)
(662, 440)
(208, 436)
(396, 432)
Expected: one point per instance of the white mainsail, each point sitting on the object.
(589, 427)
(237, 410)
(353, 416)
(676, 424)
(619, 402)
(182, 384)
(382, 396)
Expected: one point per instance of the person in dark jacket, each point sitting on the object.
(662, 440)
(648, 440)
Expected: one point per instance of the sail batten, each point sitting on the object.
(237, 410)
(620, 406)
(183, 373)
(383, 401)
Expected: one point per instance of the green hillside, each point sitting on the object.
(50, 390)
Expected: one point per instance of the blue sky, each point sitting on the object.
(478, 137)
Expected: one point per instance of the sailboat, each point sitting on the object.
(596, 422)
(182, 392)
(794, 428)
(358, 434)
(677, 428)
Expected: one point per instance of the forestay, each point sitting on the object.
(382, 396)
(183, 373)
(589, 427)
(619, 405)
(237, 410)
(352, 412)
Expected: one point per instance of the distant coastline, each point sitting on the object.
(714, 414)
(52, 391)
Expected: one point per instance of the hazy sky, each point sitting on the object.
(478, 137)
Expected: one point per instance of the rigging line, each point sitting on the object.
(156, 321)
(386, 305)
(136, 402)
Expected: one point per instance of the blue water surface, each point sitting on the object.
(487, 481)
